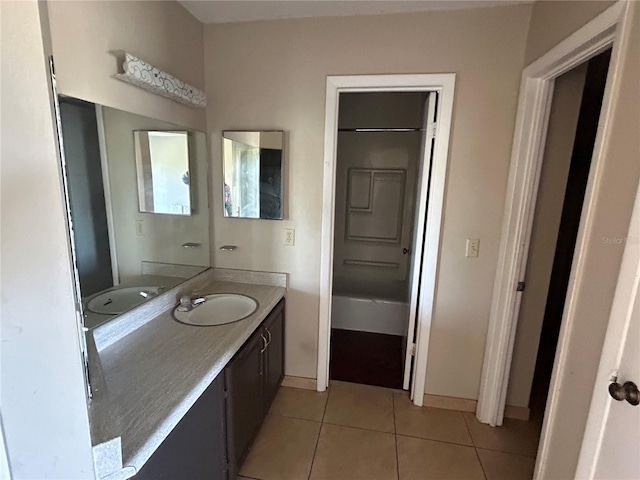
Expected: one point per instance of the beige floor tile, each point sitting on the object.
(506, 466)
(360, 406)
(282, 450)
(430, 423)
(298, 403)
(345, 453)
(420, 459)
(514, 436)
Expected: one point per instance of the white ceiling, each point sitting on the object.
(228, 11)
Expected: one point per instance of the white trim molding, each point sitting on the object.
(536, 92)
(144, 75)
(443, 84)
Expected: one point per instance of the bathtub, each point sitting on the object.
(369, 315)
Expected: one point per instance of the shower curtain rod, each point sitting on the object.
(369, 130)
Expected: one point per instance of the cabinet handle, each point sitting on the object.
(265, 344)
(269, 342)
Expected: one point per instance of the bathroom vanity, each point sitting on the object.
(214, 436)
(181, 401)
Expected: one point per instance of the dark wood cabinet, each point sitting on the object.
(243, 378)
(252, 379)
(196, 447)
(273, 356)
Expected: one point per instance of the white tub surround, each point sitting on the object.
(369, 315)
(146, 380)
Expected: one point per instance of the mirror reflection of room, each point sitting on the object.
(162, 166)
(253, 174)
(137, 195)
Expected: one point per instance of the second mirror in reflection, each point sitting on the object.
(253, 174)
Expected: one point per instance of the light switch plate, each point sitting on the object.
(140, 228)
(473, 247)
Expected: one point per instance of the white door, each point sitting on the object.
(611, 444)
(420, 221)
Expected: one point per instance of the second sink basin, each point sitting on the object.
(119, 300)
(218, 309)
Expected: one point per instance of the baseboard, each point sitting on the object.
(516, 413)
(300, 382)
(435, 401)
(468, 405)
(450, 403)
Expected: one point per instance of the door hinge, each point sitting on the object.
(413, 349)
(520, 287)
(432, 128)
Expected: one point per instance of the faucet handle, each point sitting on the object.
(185, 301)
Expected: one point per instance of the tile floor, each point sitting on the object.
(357, 432)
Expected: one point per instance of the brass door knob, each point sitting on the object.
(627, 391)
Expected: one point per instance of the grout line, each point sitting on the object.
(480, 462)
(466, 424)
(393, 411)
(395, 436)
(291, 416)
(326, 404)
(526, 455)
(436, 440)
(355, 428)
(315, 450)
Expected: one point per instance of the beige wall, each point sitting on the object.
(163, 234)
(563, 120)
(556, 20)
(44, 409)
(86, 35)
(612, 210)
(272, 75)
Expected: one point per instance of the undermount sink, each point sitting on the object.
(218, 309)
(119, 300)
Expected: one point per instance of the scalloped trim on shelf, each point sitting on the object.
(144, 75)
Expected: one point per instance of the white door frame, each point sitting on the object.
(106, 184)
(444, 85)
(536, 92)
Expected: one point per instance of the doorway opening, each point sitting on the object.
(568, 150)
(380, 147)
(593, 76)
(438, 88)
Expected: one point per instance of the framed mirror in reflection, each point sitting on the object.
(253, 164)
(162, 167)
(125, 254)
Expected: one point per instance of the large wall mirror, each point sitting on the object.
(253, 174)
(128, 249)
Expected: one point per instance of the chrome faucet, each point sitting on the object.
(187, 303)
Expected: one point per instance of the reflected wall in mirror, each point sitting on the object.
(253, 174)
(124, 256)
(162, 167)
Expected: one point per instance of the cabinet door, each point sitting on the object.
(243, 377)
(195, 448)
(274, 354)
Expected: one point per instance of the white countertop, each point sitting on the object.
(147, 381)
